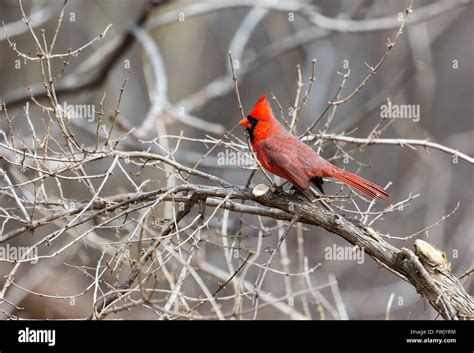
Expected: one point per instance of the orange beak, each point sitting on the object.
(245, 123)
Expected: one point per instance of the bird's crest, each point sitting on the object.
(262, 110)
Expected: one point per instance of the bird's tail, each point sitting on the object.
(364, 186)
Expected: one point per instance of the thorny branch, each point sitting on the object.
(154, 241)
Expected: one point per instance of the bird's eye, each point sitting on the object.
(253, 121)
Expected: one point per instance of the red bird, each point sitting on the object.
(284, 155)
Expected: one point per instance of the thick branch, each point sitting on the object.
(441, 289)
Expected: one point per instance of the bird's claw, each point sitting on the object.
(277, 189)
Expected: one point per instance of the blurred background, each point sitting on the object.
(430, 66)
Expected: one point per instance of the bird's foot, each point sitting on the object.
(277, 189)
(297, 193)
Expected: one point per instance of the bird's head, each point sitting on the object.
(261, 117)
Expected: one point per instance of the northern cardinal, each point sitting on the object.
(284, 155)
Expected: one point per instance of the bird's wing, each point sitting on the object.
(283, 161)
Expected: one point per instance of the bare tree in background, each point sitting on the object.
(113, 210)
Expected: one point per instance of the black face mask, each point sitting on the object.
(253, 123)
